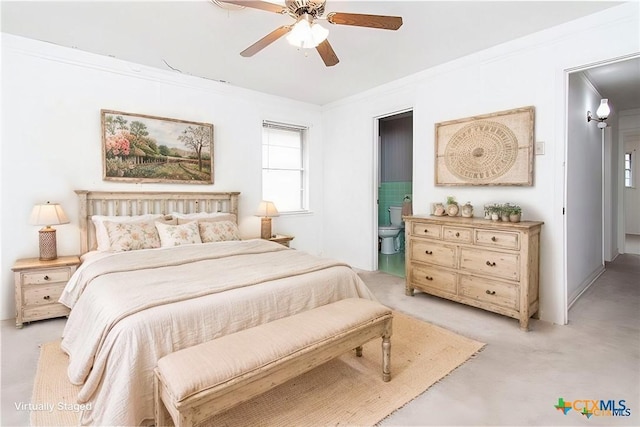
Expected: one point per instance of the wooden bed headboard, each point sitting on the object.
(121, 203)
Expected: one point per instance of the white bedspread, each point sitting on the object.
(129, 309)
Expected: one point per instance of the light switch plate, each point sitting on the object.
(539, 148)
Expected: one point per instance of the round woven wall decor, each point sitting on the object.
(481, 151)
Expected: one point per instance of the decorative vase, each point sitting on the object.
(452, 210)
(467, 210)
(439, 210)
(514, 217)
(495, 216)
(505, 217)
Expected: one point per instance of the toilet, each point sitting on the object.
(390, 234)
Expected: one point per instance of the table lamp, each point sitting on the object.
(266, 210)
(48, 214)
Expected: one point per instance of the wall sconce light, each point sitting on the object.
(48, 214)
(266, 210)
(602, 112)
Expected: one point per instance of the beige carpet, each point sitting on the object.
(346, 391)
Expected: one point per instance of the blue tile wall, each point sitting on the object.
(391, 194)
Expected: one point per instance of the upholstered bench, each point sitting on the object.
(196, 383)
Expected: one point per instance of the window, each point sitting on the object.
(628, 170)
(284, 177)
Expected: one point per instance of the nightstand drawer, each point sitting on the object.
(48, 311)
(46, 276)
(42, 294)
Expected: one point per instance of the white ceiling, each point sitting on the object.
(202, 39)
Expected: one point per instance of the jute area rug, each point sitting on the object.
(346, 391)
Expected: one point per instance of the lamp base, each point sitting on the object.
(48, 245)
(265, 229)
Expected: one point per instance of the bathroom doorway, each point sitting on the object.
(395, 186)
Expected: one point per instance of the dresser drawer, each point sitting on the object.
(47, 311)
(432, 277)
(42, 294)
(490, 263)
(455, 234)
(493, 292)
(433, 252)
(498, 239)
(46, 276)
(433, 231)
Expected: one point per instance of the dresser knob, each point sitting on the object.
(490, 292)
(426, 231)
(491, 264)
(47, 297)
(493, 239)
(428, 252)
(457, 234)
(46, 277)
(428, 277)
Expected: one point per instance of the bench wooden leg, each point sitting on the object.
(359, 351)
(386, 358)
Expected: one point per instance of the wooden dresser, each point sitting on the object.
(488, 264)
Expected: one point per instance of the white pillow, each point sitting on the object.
(102, 237)
(203, 217)
(218, 231)
(181, 234)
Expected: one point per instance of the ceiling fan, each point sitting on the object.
(305, 32)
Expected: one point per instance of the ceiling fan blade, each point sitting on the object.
(262, 5)
(266, 41)
(327, 54)
(360, 20)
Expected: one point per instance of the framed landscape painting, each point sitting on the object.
(492, 149)
(140, 148)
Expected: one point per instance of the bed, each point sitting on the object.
(132, 303)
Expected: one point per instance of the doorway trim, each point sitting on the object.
(606, 191)
(375, 181)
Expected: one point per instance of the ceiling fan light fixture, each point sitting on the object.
(306, 35)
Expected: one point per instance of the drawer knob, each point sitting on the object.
(490, 292)
(426, 230)
(428, 252)
(428, 277)
(46, 278)
(493, 239)
(47, 297)
(491, 264)
(457, 234)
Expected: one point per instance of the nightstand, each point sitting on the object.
(39, 284)
(282, 239)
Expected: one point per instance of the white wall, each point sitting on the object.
(527, 71)
(629, 130)
(584, 213)
(51, 144)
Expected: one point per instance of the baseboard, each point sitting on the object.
(585, 285)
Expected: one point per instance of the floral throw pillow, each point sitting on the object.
(176, 235)
(131, 236)
(218, 231)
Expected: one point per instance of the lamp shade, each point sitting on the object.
(603, 110)
(267, 209)
(48, 214)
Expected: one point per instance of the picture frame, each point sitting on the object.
(490, 149)
(141, 148)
